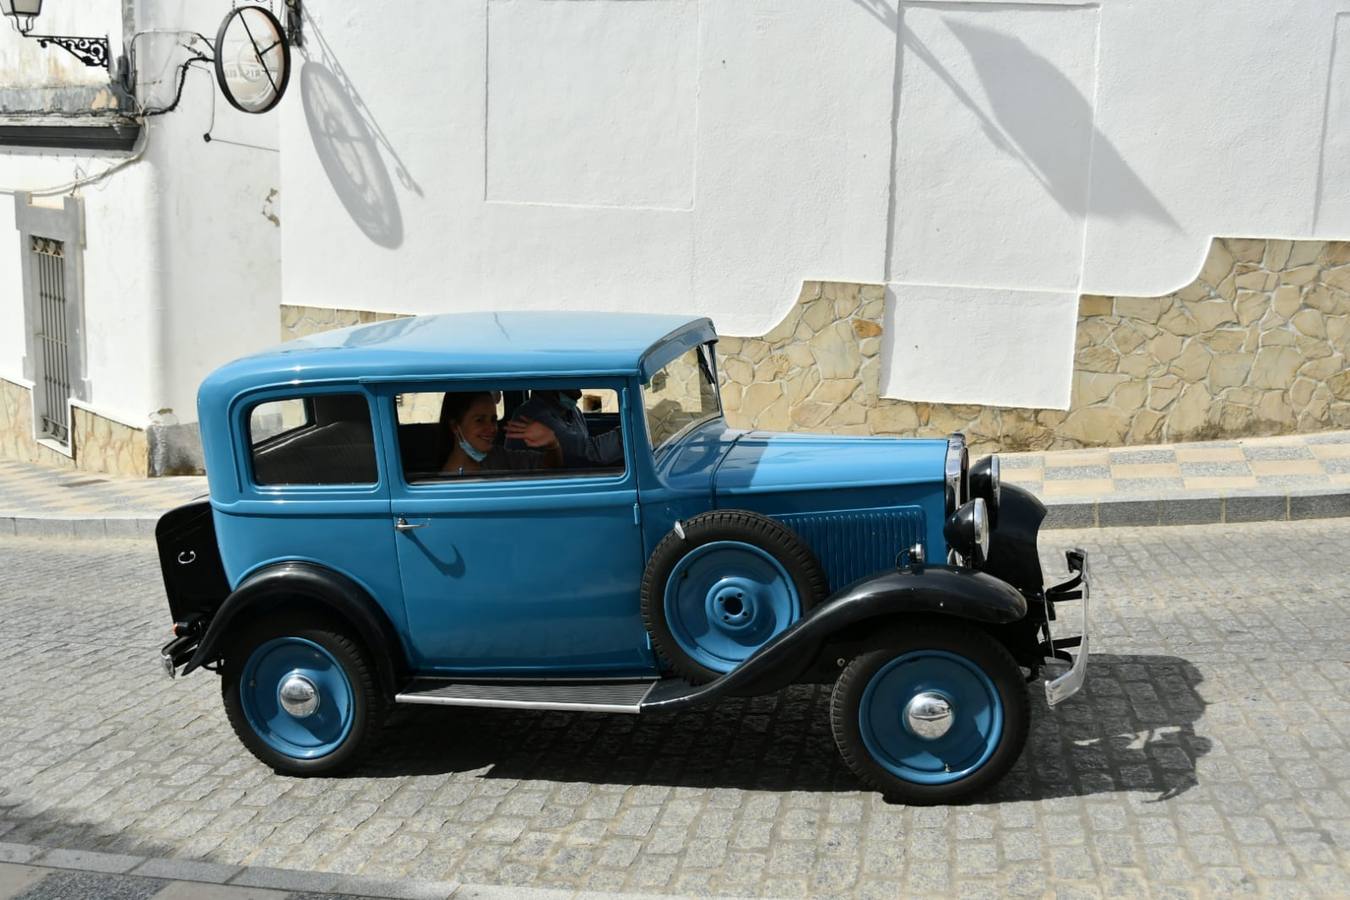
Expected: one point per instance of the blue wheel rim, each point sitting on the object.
(308, 737)
(976, 728)
(725, 599)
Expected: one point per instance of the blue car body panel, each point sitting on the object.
(540, 575)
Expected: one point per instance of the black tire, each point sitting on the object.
(365, 706)
(943, 645)
(771, 537)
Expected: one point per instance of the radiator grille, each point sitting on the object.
(858, 542)
(53, 344)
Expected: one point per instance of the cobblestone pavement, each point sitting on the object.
(1207, 756)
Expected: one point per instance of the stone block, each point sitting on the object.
(1277, 255)
(1256, 508)
(1129, 397)
(1098, 425)
(1128, 339)
(1323, 298)
(1230, 369)
(1250, 306)
(1274, 406)
(186, 870)
(818, 314)
(1190, 413)
(1179, 322)
(1309, 322)
(847, 413)
(1210, 314)
(1218, 264)
(836, 351)
(1330, 505)
(865, 328)
(1097, 358)
(1339, 279)
(1117, 513)
(1305, 253)
(1094, 387)
(1275, 367)
(1146, 427)
(1300, 276)
(1193, 363)
(799, 356)
(1278, 337)
(1338, 329)
(90, 861)
(835, 391)
(1162, 391)
(1166, 347)
(1094, 305)
(810, 414)
(1190, 511)
(1146, 309)
(738, 370)
(1072, 514)
(846, 302)
(1339, 385)
(893, 417)
(758, 397)
(1252, 281)
(1286, 300)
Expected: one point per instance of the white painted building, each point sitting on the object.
(988, 162)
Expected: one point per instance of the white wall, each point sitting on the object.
(709, 155)
(181, 268)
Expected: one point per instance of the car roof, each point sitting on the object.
(466, 344)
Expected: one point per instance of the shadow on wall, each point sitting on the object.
(1010, 72)
(349, 142)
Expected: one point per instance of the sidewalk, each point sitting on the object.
(1248, 480)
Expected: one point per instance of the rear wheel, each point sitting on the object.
(302, 696)
(939, 714)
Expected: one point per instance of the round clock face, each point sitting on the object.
(253, 60)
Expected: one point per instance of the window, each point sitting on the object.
(468, 434)
(323, 439)
(51, 242)
(680, 395)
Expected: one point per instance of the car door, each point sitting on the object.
(526, 574)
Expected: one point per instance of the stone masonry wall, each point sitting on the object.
(100, 445)
(1256, 345)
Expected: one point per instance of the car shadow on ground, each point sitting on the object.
(1132, 728)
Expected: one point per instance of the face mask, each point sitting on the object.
(473, 453)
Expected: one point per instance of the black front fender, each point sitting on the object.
(290, 585)
(861, 608)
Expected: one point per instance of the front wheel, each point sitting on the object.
(302, 697)
(939, 714)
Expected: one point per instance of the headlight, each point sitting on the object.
(984, 482)
(967, 532)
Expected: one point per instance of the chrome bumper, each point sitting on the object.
(1057, 690)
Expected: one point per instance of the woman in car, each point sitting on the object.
(469, 423)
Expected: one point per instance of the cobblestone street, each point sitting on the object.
(1207, 755)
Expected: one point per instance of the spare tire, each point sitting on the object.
(723, 583)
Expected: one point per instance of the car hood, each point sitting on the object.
(767, 462)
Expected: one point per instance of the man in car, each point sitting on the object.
(557, 411)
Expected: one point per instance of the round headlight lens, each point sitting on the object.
(967, 532)
(985, 481)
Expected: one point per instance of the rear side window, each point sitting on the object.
(323, 439)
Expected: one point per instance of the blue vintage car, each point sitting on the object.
(374, 535)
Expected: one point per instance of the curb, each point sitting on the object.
(292, 880)
(1196, 508)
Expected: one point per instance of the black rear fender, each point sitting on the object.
(292, 587)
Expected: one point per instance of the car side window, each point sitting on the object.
(511, 434)
(681, 394)
(321, 439)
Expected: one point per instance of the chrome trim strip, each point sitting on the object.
(956, 452)
(1068, 684)
(520, 705)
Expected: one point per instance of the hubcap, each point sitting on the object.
(929, 715)
(298, 696)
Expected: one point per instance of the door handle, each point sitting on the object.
(403, 525)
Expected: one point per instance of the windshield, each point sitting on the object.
(680, 395)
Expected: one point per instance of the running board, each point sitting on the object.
(574, 696)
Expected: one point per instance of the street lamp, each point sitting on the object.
(88, 50)
(23, 12)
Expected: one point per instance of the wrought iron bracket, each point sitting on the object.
(93, 52)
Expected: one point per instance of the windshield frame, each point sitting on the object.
(707, 365)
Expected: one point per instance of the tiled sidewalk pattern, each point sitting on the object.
(38, 491)
(1252, 465)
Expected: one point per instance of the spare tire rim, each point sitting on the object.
(725, 599)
